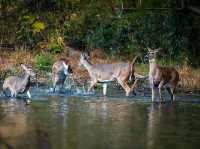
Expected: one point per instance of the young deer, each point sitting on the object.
(60, 70)
(104, 73)
(161, 76)
(19, 84)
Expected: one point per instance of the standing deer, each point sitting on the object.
(60, 71)
(104, 73)
(19, 84)
(161, 76)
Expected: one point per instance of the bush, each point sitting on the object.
(30, 30)
(43, 61)
(56, 44)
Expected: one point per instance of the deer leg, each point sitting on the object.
(91, 85)
(54, 87)
(104, 88)
(29, 97)
(61, 87)
(173, 90)
(160, 91)
(125, 87)
(28, 94)
(134, 85)
(13, 94)
(170, 93)
(153, 91)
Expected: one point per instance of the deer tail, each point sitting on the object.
(132, 65)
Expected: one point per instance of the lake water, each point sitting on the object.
(76, 122)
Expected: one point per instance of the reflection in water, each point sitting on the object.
(91, 122)
(153, 121)
(13, 125)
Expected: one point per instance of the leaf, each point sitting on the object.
(28, 19)
(38, 26)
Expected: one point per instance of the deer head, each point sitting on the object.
(28, 70)
(83, 59)
(151, 55)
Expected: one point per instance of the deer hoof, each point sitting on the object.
(127, 93)
(173, 101)
(28, 101)
(162, 102)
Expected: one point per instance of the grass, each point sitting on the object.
(190, 77)
(9, 65)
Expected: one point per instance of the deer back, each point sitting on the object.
(167, 74)
(111, 71)
(17, 83)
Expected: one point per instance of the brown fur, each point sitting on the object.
(109, 72)
(162, 76)
(58, 72)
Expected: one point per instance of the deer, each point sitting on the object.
(160, 77)
(60, 71)
(104, 73)
(19, 84)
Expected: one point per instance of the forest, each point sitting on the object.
(120, 28)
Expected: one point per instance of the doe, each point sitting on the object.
(60, 70)
(104, 73)
(19, 84)
(161, 76)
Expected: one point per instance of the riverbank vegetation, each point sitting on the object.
(111, 30)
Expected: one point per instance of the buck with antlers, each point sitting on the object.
(161, 76)
(104, 73)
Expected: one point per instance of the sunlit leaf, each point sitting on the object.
(38, 26)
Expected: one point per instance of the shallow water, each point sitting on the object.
(95, 122)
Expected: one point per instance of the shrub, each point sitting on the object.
(43, 61)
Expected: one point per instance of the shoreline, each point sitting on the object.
(9, 65)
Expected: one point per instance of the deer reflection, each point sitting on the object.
(13, 126)
(153, 119)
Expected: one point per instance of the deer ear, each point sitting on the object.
(81, 55)
(84, 55)
(23, 66)
(87, 55)
(65, 66)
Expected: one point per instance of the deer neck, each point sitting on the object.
(152, 66)
(26, 78)
(87, 65)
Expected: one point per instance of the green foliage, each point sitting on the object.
(54, 47)
(56, 43)
(30, 30)
(106, 24)
(38, 26)
(43, 61)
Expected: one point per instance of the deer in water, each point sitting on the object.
(19, 84)
(60, 70)
(161, 76)
(104, 73)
